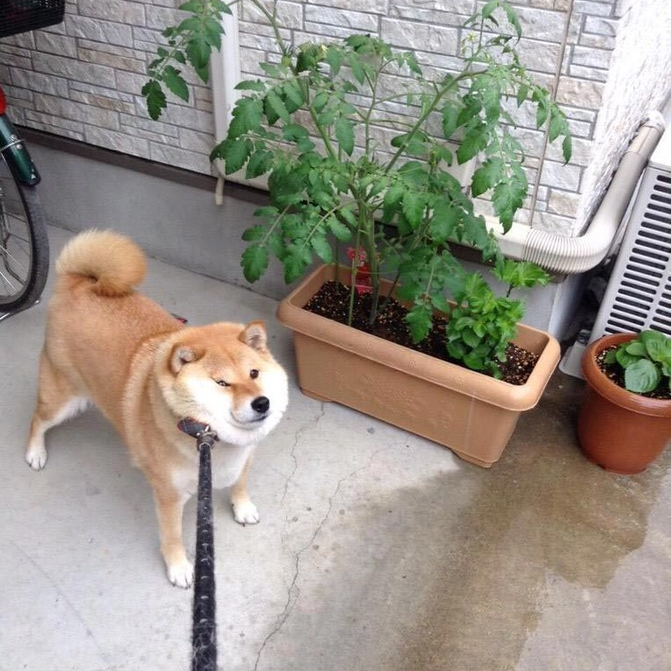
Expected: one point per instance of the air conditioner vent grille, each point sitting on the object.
(639, 292)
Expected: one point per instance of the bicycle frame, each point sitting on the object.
(13, 148)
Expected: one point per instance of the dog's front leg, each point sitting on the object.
(169, 509)
(244, 511)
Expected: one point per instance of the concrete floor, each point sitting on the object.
(377, 550)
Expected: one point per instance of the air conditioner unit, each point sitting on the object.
(638, 295)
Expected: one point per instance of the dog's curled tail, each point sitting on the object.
(115, 263)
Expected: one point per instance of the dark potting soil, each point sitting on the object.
(332, 301)
(615, 373)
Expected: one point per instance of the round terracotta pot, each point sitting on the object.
(620, 431)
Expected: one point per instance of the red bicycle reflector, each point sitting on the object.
(3, 102)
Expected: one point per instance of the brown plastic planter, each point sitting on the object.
(620, 431)
(469, 412)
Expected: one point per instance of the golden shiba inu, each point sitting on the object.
(107, 344)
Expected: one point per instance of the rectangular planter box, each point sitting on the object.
(471, 413)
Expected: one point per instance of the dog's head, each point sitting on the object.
(224, 375)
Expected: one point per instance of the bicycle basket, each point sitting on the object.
(19, 16)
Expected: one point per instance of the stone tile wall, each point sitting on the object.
(606, 60)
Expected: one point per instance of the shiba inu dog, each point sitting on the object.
(109, 345)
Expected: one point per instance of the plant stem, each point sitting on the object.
(353, 276)
(424, 116)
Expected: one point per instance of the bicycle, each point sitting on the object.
(24, 244)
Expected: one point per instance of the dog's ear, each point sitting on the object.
(181, 355)
(254, 335)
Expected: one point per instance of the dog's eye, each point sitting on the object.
(222, 383)
(253, 373)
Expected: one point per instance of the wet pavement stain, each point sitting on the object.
(456, 572)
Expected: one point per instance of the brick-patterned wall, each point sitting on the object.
(603, 58)
(639, 80)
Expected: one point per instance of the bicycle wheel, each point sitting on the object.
(24, 245)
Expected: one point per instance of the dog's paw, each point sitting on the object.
(36, 457)
(181, 574)
(245, 512)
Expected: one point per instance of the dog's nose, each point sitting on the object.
(261, 404)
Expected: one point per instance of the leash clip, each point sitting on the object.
(201, 432)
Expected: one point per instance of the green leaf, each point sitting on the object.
(557, 126)
(567, 149)
(489, 9)
(349, 216)
(293, 96)
(490, 92)
(344, 132)
(213, 32)
(470, 337)
(520, 274)
(295, 261)
(193, 6)
(276, 104)
(339, 230)
(173, 79)
(156, 100)
(486, 176)
(450, 114)
(235, 153)
(334, 59)
(655, 343)
(413, 208)
(419, 320)
(642, 376)
(198, 53)
(475, 361)
(293, 132)
(249, 85)
(522, 94)
(254, 262)
(357, 68)
(636, 349)
(513, 19)
(625, 359)
(266, 212)
(247, 115)
(542, 101)
(260, 162)
(322, 248)
(444, 220)
(320, 101)
(391, 201)
(475, 140)
(254, 233)
(271, 70)
(508, 196)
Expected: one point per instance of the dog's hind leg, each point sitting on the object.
(57, 401)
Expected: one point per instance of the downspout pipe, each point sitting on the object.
(575, 255)
(226, 75)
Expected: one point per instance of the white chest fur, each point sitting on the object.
(227, 464)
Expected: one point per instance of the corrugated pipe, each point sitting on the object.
(575, 255)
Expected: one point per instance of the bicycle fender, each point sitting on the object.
(14, 149)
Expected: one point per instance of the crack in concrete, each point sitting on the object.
(293, 593)
(299, 435)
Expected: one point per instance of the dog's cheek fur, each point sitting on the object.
(275, 385)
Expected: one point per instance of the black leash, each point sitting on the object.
(204, 636)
